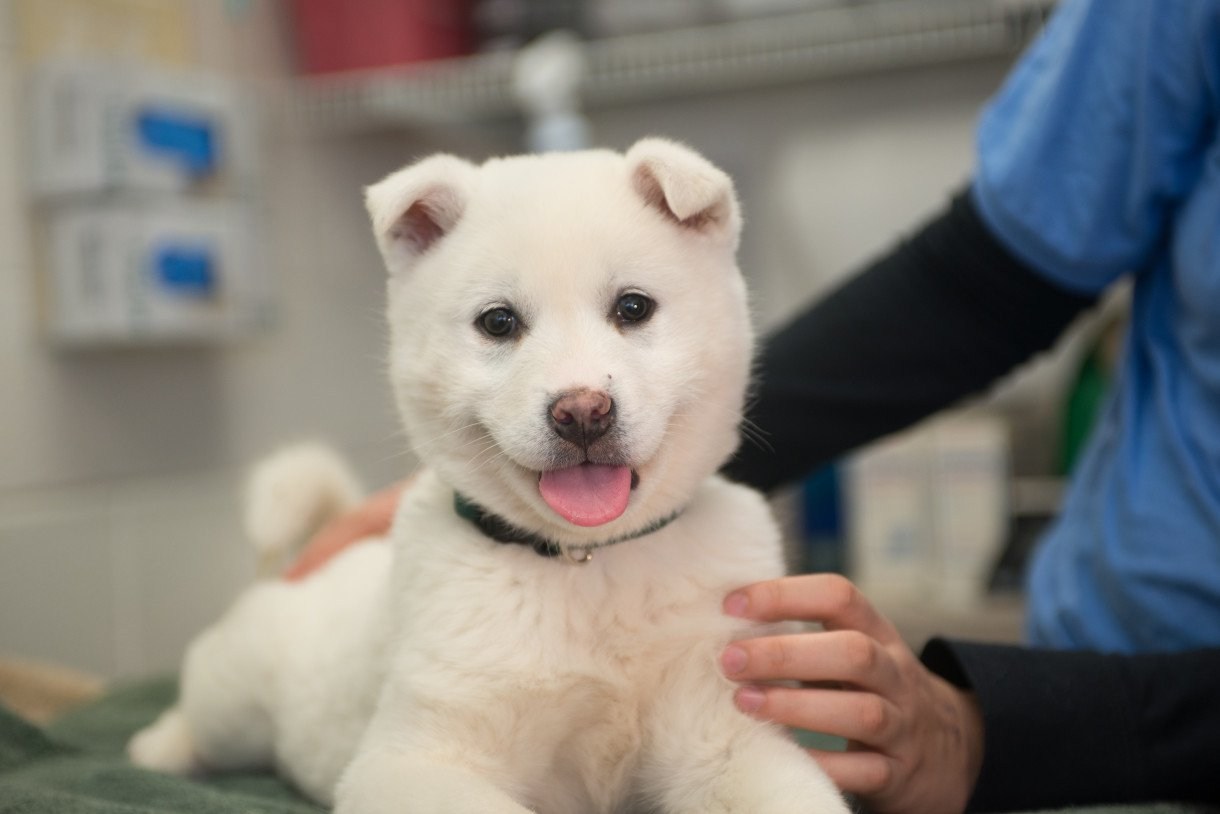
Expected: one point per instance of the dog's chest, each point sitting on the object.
(554, 676)
(554, 670)
(494, 615)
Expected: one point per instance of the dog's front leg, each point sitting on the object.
(703, 756)
(423, 758)
(385, 779)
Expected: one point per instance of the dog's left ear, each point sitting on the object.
(415, 208)
(685, 187)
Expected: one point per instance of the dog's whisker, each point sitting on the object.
(433, 440)
(749, 430)
(489, 446)
(488, 460)
(756, 435)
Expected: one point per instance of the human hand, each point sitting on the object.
(915, 742)
(371, 518)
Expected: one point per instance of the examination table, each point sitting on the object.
(76, 765)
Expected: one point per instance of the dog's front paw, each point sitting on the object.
(762, 772)
(165, 746)
(381, 781)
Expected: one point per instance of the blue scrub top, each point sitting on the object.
(1097, 159)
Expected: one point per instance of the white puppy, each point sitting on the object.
(570, 348)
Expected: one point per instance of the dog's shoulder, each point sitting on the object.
(738, 506)
(734, 531)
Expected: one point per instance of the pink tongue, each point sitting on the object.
(587, 495)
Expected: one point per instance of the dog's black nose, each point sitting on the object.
(582, 416)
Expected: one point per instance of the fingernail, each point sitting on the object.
(733, 660)
(736, 604)
(749, 699)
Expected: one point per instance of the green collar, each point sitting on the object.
(500, 530)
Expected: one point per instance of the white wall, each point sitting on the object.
(120, 471)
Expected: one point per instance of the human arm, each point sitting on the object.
(1093, 728)
(940, 317)
(1085, 158)
(968, 725)
(371, 518)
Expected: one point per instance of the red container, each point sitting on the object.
(347, 35)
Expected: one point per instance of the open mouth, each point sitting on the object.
(588, 494)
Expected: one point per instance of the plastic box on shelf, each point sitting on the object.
(929, 509)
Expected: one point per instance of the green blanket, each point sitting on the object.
(76, 766)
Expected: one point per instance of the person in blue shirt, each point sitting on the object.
(1098, 159)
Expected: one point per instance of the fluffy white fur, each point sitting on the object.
(445, 673)
(290, 494)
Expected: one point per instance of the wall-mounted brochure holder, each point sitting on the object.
(133, 273)
(144, 182)
(98, 126)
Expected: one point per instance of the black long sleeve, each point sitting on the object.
(1065, 728)
(939, 318)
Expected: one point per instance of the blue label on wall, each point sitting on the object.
(186, 271)
(188, 140)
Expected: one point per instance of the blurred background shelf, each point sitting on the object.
(823, 42)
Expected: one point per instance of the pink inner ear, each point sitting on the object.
(418, 227)
(650, 189)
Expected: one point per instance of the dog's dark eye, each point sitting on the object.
(498, 322)
(633, 308)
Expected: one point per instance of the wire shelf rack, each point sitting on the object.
(828, 41)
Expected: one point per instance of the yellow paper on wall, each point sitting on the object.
(156, 31)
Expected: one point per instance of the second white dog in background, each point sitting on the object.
(570, 349)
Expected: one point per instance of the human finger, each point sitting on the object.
(846, 656)
(864, 772)
(861, 717)
(827, 598)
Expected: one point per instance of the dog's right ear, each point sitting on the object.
(417, 206)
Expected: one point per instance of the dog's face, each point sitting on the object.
(570, 342)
